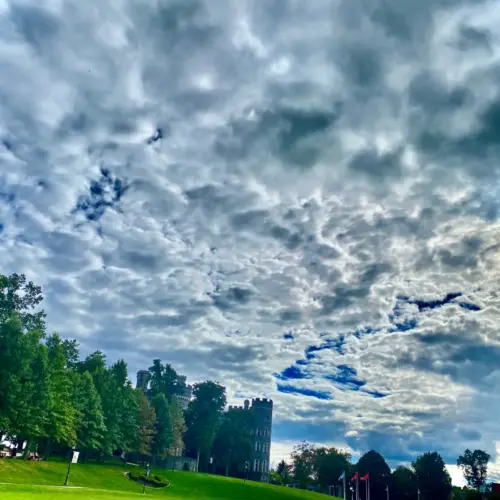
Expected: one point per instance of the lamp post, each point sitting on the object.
(148, 472)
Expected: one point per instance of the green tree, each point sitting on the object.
(329, 464)
(233, 444)
(203, 416)
(178, 428)
(18, 299)
(61, 425)
(164, 380)
(31, 394)
(304, 460)
(13, 369)
(474, 465)
(403, 483)
(374, 464)
(129, 425)
(90, 429)
(146, 419)
(285, 471)
(433, 479)
(17, 295)
(163, 427)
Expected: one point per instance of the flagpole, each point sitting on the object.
(357, 485)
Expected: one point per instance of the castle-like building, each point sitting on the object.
(262, 409)
(184, 393)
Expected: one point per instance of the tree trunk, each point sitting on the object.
(48, 448)
(26, 453)
(197, 460)
(227, 469)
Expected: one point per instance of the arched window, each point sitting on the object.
(256, 465)
(264, 466)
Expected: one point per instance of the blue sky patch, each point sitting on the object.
(288, 389)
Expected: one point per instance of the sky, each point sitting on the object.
(299, 200)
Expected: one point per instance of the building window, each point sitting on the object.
(264, 466)
(256, 465)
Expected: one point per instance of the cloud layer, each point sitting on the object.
(299, 201)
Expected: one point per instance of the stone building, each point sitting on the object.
(262, 409)
(184, 392)
(143, 377)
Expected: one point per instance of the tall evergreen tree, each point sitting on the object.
(61, 425)
(178, 428)
(146, 419)
(163, 427)
(90, 429)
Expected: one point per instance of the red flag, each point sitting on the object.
(365, 477)
(354, 477)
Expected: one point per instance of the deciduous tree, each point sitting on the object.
(432, 477)
(474, 465)
(203, 416)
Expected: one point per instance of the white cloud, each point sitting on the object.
(192, 181)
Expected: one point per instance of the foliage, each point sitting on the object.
(474, 465)
(146, 419)
(233, 443)
(163, 380)
(203, 416)
(303, 460)
(319, 465)
(153, 480)
(432, 477)
(374, 464)
(19, 297)
(178, 428)
(285, 472)
(61, 412)
(90, 427)
(163, 427)
(403, 483)
(329, 464)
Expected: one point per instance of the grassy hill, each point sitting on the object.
(42, 481)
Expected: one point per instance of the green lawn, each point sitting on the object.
(36, 480)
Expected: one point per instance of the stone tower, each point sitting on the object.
(143, 380)
(261, 438)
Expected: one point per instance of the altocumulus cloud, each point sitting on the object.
(298, 200)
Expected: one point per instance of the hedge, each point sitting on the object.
(153, 481)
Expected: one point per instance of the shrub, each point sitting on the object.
(154, 481)
(186, 467)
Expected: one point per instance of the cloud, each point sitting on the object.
(246, 190)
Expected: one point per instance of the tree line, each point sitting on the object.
(52, 400)
(425, 479)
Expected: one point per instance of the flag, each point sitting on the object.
(365, 477)
(354, 477)
(342, 476)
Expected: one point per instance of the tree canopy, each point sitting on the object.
(474, 465)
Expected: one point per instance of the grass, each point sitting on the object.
(43, 481)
